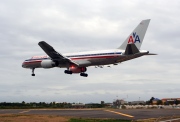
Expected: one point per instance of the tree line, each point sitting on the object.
(8, 105)
(23, 105)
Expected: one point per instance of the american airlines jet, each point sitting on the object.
(78, 62)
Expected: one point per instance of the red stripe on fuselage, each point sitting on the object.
(31, 62)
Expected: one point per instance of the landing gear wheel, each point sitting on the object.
(83, 74)
(67, 72)
(33, 72)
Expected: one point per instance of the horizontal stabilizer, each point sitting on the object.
(151, 54)
(131, 49)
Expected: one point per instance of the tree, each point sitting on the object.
(150, 101)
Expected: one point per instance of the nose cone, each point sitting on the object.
(23, 65)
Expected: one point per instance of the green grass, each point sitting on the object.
(97, 120)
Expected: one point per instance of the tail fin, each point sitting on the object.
(137, 36)
(131, 49)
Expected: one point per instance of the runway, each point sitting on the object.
(129, 114)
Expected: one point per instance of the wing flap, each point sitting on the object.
(83, 63)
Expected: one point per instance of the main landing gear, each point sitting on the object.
(70, 72)
(67, 72)
(83, 74)
(33, 72)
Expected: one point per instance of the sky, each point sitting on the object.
(82, 25)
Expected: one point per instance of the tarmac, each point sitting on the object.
(129, 114)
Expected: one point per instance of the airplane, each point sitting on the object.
(78, 62)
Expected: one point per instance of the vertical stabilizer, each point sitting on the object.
(131, 49)
(137, 36)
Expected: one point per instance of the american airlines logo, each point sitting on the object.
(133, 39)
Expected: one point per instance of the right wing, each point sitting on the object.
(54, 55)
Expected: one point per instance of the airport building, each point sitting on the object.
(117, 103)
(170, 101)
(156, 101)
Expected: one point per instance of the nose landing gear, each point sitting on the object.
(33, 72)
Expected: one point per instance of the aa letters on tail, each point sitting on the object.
(133, 39)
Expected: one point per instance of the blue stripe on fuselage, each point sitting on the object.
(83, 55)
(36, 59)
(97, 54)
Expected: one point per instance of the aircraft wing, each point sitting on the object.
(54, 55)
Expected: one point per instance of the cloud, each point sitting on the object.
(71, 26)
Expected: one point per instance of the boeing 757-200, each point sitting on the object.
(78, 62)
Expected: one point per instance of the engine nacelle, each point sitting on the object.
(77, 69)
(48, 64)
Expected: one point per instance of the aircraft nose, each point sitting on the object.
(23, 65)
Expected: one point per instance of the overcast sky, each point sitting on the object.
(81, 25)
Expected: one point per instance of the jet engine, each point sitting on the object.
(48, 64)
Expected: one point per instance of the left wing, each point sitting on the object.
(54, 55)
